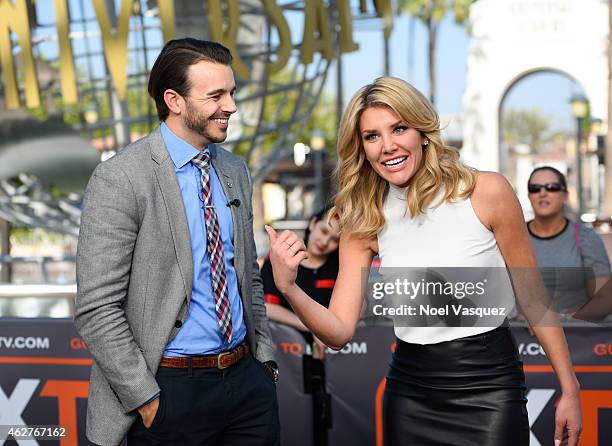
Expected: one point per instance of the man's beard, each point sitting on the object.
(198, 123)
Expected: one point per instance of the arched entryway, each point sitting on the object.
(536, 127)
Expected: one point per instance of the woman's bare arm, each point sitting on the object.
(498, 208)
(278, 313)
(334, 325)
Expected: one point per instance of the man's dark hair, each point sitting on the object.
(170, 68)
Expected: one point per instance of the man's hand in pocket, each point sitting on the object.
(148, 411)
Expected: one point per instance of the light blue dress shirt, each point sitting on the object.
(200, 333)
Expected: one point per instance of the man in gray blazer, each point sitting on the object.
(169, 297)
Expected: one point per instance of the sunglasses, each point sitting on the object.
(550, 187)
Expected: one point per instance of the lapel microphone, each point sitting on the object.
(234, 202)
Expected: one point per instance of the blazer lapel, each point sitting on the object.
(227, 174)
(173, 201)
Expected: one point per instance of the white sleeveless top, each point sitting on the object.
(446, 236)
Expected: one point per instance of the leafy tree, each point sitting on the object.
(525, 126)
(279, 122)
(280, 107)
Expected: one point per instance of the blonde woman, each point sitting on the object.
(405, 196)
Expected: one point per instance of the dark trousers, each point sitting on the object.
(235, 406)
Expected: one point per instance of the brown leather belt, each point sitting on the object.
(220, 361)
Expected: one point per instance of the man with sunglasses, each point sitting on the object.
(571, 256)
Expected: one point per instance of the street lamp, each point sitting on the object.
(596, 126)
(300, 150)
(598, 130)
(580, 108)
(90, 114)
(317, 144)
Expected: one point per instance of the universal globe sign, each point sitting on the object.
(90, 60)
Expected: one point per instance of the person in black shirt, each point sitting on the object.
(316, 274)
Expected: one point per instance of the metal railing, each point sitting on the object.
(42, 261)
(39, 300)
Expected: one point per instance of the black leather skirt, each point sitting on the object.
(469, 391)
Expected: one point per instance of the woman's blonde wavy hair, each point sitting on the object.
(361, 191)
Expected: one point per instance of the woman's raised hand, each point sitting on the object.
(286, 252)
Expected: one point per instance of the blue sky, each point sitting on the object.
(364, 65)
(545, 91)
(549, 92)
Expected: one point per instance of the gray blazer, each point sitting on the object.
(134, 275)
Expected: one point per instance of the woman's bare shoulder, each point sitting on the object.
(491, 194)
(491, 180)
(491, 186)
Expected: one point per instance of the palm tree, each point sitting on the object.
(431, 13)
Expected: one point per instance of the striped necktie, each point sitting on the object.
(215, 249)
